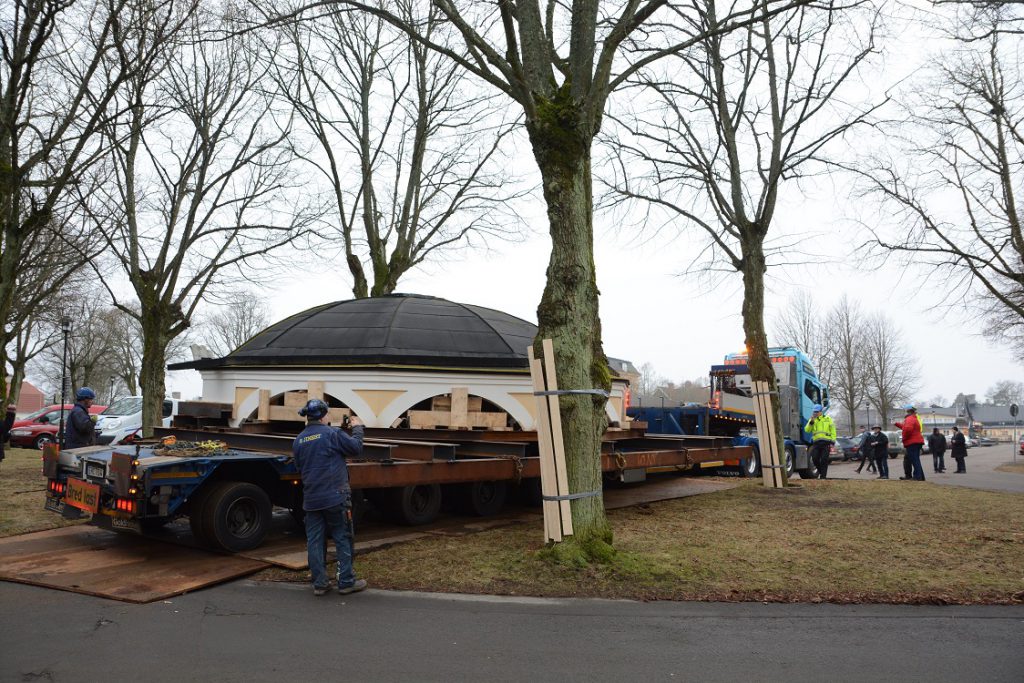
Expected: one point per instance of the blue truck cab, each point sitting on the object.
(730, 408)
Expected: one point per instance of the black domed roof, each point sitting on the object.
(399, 329)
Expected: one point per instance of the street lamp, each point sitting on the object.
(110, 391)
(65, 328)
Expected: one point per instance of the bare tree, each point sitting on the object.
(957, 201)
(1005, 392)
(412, 158)
(199, 169)
(57, 84)
(242, 316)
(649, 381)
(739, 116)
(849, 380)
(892, 372)
(804, 323)
(559, 66)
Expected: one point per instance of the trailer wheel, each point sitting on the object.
(196, 507)
(413, 505)
(236, 516)
(482, 498)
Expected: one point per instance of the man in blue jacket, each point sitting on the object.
(320, 451)
(81, 427)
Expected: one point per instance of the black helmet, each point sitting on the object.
(314, 409)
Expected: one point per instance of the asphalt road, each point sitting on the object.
(981, 463)
(251, 631)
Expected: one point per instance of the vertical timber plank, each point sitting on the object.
(552, 524)
(460, 408)
(263, 412)
(315, 389)
(556, 436)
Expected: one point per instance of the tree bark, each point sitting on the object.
(152, 376)
(568, 311)
(754, 268)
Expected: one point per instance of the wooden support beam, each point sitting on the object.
(556, 436)
(548, 487)
(460, 408)
(263, 412)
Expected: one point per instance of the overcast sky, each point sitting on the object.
(683, 324)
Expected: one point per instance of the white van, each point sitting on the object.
(122, 419)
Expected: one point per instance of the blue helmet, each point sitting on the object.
(817, 408)
(910, 406)
(84, 393)
(314, 409)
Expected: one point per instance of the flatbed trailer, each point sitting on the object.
(228, 494)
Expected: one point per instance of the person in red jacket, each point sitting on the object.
(913, 440)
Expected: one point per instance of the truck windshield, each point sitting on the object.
(124, 406)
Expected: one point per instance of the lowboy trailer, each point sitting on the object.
(228, 482)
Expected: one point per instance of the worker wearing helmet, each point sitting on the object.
(913, 440)
(823, 434)
(320, 451)
(81, 426)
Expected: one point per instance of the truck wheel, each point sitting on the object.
(751, 467)
(790, 459)
(236, 516)
(482, 498)
(413, 505)
(810, 473)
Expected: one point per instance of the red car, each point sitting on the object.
(40, 428)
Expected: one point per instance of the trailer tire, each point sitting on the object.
(196, 506)
(482, 498)
(412, 505)
(236, 516)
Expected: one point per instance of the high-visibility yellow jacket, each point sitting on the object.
(821, 428)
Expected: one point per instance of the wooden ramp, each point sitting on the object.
(85, 559)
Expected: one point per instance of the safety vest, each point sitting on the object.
(821, 429)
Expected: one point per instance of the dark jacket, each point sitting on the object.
(958, 445)
(320, 452)
(937, 443)
(876, 445)
(5, 427)
(80, 430)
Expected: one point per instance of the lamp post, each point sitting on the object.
(65, 328)
(110, 391)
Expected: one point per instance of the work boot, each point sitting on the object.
(359, 585)
(321, 591)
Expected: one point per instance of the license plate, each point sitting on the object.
(53, 504)
(95, 471)
(83, 495)
(125, 523)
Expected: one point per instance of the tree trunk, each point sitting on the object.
(568, 315)
(754, 268)
(152, 375)
(17, 377)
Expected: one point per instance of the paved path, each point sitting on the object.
(252, 631)
(981, 473)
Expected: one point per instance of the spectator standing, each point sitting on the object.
(937, 445)
(876, 447)
(913, 441)
(958, 450)
(823, 435)
(81, 427)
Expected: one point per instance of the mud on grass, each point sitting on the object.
(828, 541)
(22, 494)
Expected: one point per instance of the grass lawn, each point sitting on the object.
(834, 541)
(22, 488)
(1017, 467)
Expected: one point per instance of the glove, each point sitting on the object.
(94, 418)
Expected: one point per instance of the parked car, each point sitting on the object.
(1021, 444)
(848, 447)
(896, 448)
(41, 427)
(122, 420)
(986, 441)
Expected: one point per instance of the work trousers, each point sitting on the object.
(819, 456)
(334, 521)
(914, 458)
(882, 461)
(939, 461)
